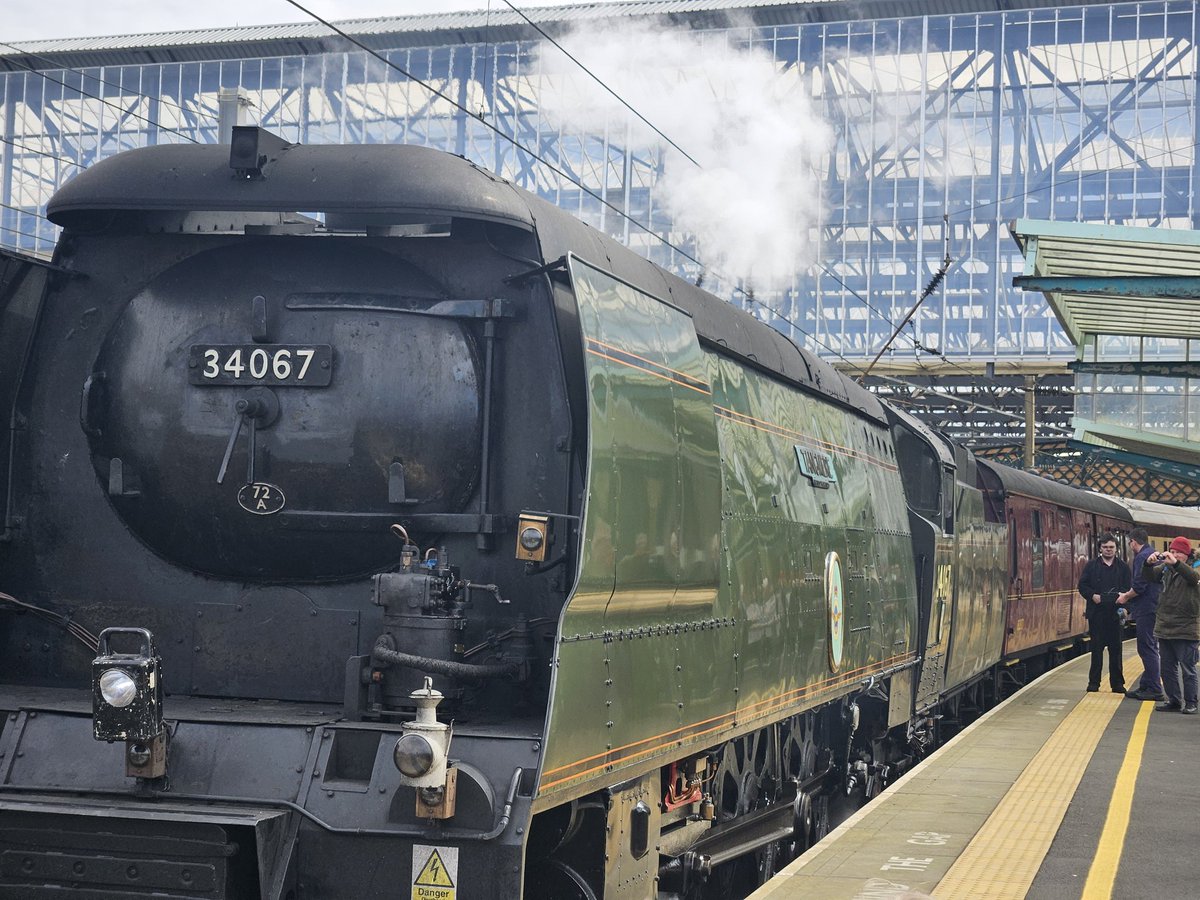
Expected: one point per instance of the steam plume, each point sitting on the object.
(749, 124)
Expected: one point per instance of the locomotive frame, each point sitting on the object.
(744, 591)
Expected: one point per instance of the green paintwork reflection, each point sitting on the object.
(979, 590)
(778, 528)
(654, 485)
(700, 605)
(651, 535)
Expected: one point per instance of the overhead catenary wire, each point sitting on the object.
(917, 345)
(17, 231)
(24, 212)
(438, 93)
(936, 280)
(749, 295)
(735, 287)
(600, 82)
(917, 220)
(683, 253)
(923, 389)
(493, 128)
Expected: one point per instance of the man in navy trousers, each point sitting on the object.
(1142, 602)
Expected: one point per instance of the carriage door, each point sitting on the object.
(1064, 574)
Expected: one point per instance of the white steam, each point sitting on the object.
(751, 126)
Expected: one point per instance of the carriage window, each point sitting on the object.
(1037, 575)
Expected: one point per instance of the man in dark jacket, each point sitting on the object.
(1142, 602)
(1103, 579)
(1178, 624)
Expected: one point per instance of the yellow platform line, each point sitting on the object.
(1103, 872)
(1006, 853)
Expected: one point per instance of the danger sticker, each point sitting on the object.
(435, 873)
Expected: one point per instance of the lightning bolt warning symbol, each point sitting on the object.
(434, 873)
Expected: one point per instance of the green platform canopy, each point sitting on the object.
(1142, 283)
(1110, 279)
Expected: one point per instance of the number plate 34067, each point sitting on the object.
(297, 365)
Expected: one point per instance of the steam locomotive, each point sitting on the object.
(373, 528)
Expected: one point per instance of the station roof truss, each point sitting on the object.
(482, 25)
(984, 410)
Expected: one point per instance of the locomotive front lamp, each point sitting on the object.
(127, 700)
(422, 756)
(117, 688)
(414, 755)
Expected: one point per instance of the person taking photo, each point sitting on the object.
(1178, 625)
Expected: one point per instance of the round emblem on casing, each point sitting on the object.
(836, 606)
(261, 498)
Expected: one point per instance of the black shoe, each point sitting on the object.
(1118, 690)
(1167, 706)
(1189, 710)
(1141, 694)
(1092, 688)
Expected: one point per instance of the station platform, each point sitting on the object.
(1055, 793)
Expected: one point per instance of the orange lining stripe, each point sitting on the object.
(778, 702)
(656, 737)
(692, 387)
(795, 693)
(645, 360)
(547, 785)
(780, 431)
(751, 421)
(787, 432)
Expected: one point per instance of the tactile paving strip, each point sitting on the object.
(1004, 856)
(905, 843)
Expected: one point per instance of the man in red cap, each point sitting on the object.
(1178, 624)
